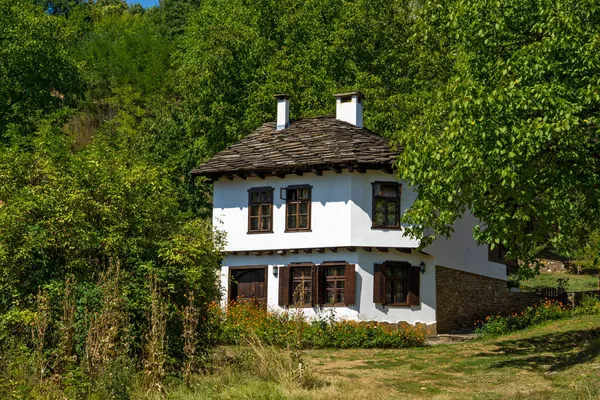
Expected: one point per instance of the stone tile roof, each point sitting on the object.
(310, 144)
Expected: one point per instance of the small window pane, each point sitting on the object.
(253, 224)
(292, 194)
(303, 223)
(267, 197)
(265, 210)
(389, 191)
(292, 209)
(292, 222)
(330, 284)
(341, 284)
(254, 211)
(303, 208)
(265, 223)
(255, 197)
(303, 194)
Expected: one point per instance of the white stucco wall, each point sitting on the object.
(364, 308)
(341, 213)
(461, 251)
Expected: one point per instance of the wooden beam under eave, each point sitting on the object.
(321, 251)
(281, 252)
(233, 253)
(256, 174)
(257, 253)
(405, 250)
(279, 174)
(351, 248)
(294, 251)
(336, 170)
(382, 249)
(369, 249)
(230, 177)
(242, 176)
(269, 252)
(298, 173)
(361, 170)
(307, 251)
(333, 249)
(245, 253)
(317, 171)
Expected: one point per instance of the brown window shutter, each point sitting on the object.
(378, 285)
(284, 286)
(315, 286)
(350, 284)
(414, 283)
(319, 284)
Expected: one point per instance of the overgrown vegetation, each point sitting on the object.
(107, 254)
(496, 325)
(293, 329)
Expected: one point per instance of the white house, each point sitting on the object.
(312, 211)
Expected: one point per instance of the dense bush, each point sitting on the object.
(589, 305)
(240, 321)
(494, 325)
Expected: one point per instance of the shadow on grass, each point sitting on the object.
(566, 349)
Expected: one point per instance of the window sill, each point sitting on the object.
(397, 305)
(258, 232)
(386, 228)
(300, 306)
(334, 305)
(298, 231)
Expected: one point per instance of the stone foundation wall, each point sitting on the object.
(464, 297)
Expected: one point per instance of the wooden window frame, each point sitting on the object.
(260, 204)
(349, 283)
(312, 268)
(412, 278)
(318, 284)
(498, 255)
(380, 196)
(297, 202)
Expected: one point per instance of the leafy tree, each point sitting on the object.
(513, 134)
(37, 74)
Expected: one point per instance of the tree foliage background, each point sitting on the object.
(106, 107)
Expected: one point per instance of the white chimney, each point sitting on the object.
(283, 111)
(349, 108)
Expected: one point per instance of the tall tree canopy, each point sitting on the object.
(37, 72)
(513, 135)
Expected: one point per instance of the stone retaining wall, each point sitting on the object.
(464, 297)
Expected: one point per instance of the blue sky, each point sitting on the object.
(145, 3)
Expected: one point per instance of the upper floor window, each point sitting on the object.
(297, 208)
(386, 205)
(260, 210)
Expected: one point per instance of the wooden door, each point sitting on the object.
(249, 284)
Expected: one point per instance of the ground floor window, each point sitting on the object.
(308, 285)
(396, 283)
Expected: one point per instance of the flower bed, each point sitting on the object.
(242, 320)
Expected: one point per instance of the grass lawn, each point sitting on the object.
(559, 360)
(577, 283)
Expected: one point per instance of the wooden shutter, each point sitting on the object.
(378, 284)
(414, 283)
(284, 286)
(319, 284)
(350, 284)
(315, 286)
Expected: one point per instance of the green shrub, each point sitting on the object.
(284, 329)
(589, 305)
(495, 325)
